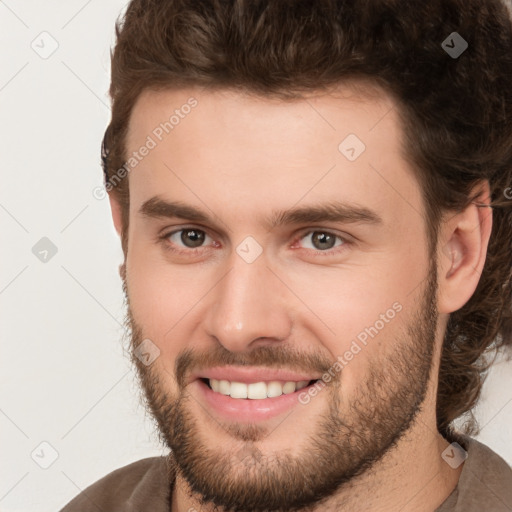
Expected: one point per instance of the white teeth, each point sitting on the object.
(224, 386)
(238, 390)
(256, 390)
(274, 389)
(289, 387)
(215, 384)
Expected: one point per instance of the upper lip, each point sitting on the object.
(248, 375)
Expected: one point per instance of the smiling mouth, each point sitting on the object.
(257, 390)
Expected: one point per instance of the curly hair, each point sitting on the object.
(456, 114)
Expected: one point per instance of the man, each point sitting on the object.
(313, 208)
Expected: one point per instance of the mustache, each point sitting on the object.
(190, 360)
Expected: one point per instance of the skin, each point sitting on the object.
(238, 158)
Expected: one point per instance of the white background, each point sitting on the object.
(64, 377)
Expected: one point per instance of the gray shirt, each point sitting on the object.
(485, 484)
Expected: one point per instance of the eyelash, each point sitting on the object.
(191, 252)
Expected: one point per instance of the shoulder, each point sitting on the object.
(484, 451)
(142, 482)
(485, 482)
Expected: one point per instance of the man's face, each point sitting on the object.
(251, 294)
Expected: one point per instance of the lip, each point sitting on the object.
(251, 375)
(245, 409)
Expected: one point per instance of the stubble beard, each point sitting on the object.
(349, 440)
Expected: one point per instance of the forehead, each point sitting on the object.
(213, 146)
(356, 106)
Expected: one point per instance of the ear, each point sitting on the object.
(463, 240)
(115, 208)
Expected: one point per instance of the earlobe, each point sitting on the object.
(464, 238)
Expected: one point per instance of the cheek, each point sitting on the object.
(349, 298)
(161, 298)
(360, 313)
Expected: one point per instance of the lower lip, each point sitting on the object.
(247, 409)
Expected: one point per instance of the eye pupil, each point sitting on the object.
(192, 237)
(324, 240)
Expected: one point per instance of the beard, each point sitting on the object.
(352, 435)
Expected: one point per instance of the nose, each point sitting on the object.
(249, 307)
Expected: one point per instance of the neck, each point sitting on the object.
(413, 477)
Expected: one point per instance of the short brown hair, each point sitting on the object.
(456, 113)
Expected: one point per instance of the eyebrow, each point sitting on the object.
(332, 211)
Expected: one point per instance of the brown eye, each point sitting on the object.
(322, 240)
(190, 238)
